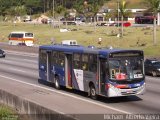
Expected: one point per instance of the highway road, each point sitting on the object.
(19, 73)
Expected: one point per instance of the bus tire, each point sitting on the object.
(57, 85)
(93, 92)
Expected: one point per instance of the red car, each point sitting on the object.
(125, 24)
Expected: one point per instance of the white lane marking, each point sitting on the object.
(33, 61)
(27, 60)
(89, 101)
(6, 61)
(18, 62)
(22, 53)
(16, 70)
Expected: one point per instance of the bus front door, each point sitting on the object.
(68, 70)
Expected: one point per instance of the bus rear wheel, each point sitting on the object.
(93, 92)
(57, 86)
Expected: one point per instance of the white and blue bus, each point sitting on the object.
(104, 72)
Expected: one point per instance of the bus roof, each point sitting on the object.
(81, 49)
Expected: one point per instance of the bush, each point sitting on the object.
(7, 113)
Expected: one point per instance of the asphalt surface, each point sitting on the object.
(19, 75)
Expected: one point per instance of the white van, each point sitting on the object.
(69, 42)
(21, 38)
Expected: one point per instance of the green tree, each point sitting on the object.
(88, 8)
(4, 5)
(154, 6)
(60, 9)
(16, 11)
(41, 6)
(79, 6)
(20, 10)
(34, 6)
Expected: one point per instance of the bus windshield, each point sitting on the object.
(18, 35)
(126, 69)
(28, 34)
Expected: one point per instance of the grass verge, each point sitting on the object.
(134, 37)
(7, 113)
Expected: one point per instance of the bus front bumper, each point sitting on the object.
(117, 92)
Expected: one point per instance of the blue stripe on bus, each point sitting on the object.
(133, 85)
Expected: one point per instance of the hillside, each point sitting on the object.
(137, 4)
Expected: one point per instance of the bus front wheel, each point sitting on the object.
(57, 86)
(93, 92)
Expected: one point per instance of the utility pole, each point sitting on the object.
(44, 6)
(118, 13)
(53, 14)
(53, 9)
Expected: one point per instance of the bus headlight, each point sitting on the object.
(158, 69)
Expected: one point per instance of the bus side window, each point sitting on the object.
(58, 58)
(84, 66)
(43, 58)
(76, 65)
(61, 59)
(77, 61)
(93, 63)
(55, 57)
(85, 62)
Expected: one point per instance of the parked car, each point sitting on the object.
(49, 21)
(2, 53)
(152, 67)
(27, 18)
